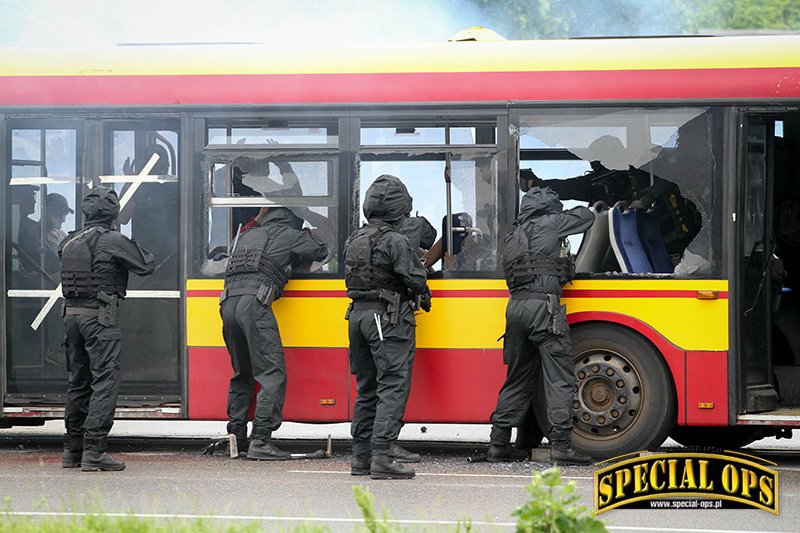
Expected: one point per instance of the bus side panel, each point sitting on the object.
(316, 389)
(455, 385)
(707, 388)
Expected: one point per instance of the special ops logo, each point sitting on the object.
(666, 480)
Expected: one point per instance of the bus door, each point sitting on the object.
(758, 267)
(140, 161)
(41, 194)
(770, 273)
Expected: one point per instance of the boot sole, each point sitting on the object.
(100, 468)
(359, 472)
(571, 463)
(266, 458)
(390, 476)
(399, 460)
(70, 465)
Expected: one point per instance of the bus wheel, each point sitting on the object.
(728, 438)
(625, 398)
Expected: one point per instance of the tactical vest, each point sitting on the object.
(77, 278)
(250, 256)
(359, 272)
(521, 265)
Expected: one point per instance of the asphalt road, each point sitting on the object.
(169, 477)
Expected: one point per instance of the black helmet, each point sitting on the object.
(101, 204)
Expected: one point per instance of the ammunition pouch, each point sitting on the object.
(265, 294)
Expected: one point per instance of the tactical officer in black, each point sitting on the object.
(95, 262)
(536, 324)
(385, 279)
(259, 267)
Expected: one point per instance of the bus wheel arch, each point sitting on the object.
(625, 398)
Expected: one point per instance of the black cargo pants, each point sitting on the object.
(383, 377)
(93, 371)
(254, 343)
(532, 340)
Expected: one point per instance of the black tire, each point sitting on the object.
(625, 398)
(726, 438)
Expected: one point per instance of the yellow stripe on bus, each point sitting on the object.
(507, 56)
(471, 313)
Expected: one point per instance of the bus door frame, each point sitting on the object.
(756, 395)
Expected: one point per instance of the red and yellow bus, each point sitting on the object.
(706, 349)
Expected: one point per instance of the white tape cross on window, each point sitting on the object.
(56, 294)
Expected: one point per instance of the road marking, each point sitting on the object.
(439, 474)
(341, 520)
(254, 518)
(56, 294)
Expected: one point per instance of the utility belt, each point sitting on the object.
(265, 294)
(365, 305)
(527, 295)
(107, 313)
(388, 301)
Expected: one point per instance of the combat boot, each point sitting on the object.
(401, 455)
(506, 454)
(562, 453)
(262, 450)
(95, 461)
(71, 458)
(73, 450)
(382, 467)
(360, 464)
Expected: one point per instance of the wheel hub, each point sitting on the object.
(609, 394)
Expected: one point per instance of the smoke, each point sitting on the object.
(95, 22)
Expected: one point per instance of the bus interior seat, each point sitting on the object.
(653, 242)
(596, 242)
(624, 236)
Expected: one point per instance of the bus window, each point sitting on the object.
(41, 203)
(473, 210)
(412, 135)
(152, 215)
(274, 132)
(662, 163)
(242, 187)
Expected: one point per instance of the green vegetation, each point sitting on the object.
(552, 507)
(556, 19)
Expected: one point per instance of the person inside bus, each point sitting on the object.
(537, 333)
(153, 214)
(470, 250)
(261, 263)
(27, 243)
(383, 276)
(56, 209)
(95, 262)
(611, 180)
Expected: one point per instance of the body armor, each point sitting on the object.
(521, 265)
(77, 278)
(359, 272)
(250, 256)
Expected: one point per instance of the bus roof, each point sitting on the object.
(737, 67)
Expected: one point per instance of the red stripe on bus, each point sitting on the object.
(595, 293)
(400, 87)
(487, 293)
